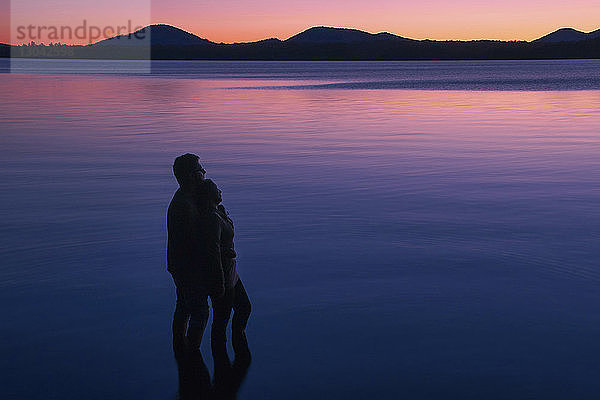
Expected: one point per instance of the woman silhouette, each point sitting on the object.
(227, 292)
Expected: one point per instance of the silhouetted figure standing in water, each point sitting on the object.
(185, 259)
(201, 259)
(218, 228)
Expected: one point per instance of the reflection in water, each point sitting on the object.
(194, 378)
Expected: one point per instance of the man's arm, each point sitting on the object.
(179, 233)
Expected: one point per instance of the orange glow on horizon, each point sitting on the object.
(240, 21)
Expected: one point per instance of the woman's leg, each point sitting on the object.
(241, 307)
(221, 313)
(241, 313)
(235, 298)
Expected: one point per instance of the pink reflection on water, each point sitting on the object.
(184, 112)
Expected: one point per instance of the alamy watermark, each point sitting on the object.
(84, 32)
(88, 30)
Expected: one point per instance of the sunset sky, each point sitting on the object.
(242, 20)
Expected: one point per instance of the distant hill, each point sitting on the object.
(324, 34)
(160, 34)
(568, 35)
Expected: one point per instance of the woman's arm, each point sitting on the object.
(213, 253)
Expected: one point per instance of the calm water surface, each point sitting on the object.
(396, 241)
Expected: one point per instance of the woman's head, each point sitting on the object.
(210, 193)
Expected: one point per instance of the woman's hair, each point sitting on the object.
(208, 193)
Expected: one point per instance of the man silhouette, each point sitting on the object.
(185, 258)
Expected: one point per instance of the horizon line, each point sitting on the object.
(311, 27)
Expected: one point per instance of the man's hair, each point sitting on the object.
(183, 166)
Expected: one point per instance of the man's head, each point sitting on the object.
(188, 171)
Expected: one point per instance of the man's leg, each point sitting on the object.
(180, 319)
(198, 301)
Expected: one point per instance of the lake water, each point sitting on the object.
(418, 230)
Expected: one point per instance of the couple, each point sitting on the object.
(201, 259)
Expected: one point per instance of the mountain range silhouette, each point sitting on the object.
(329, 43)
(162, 34)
